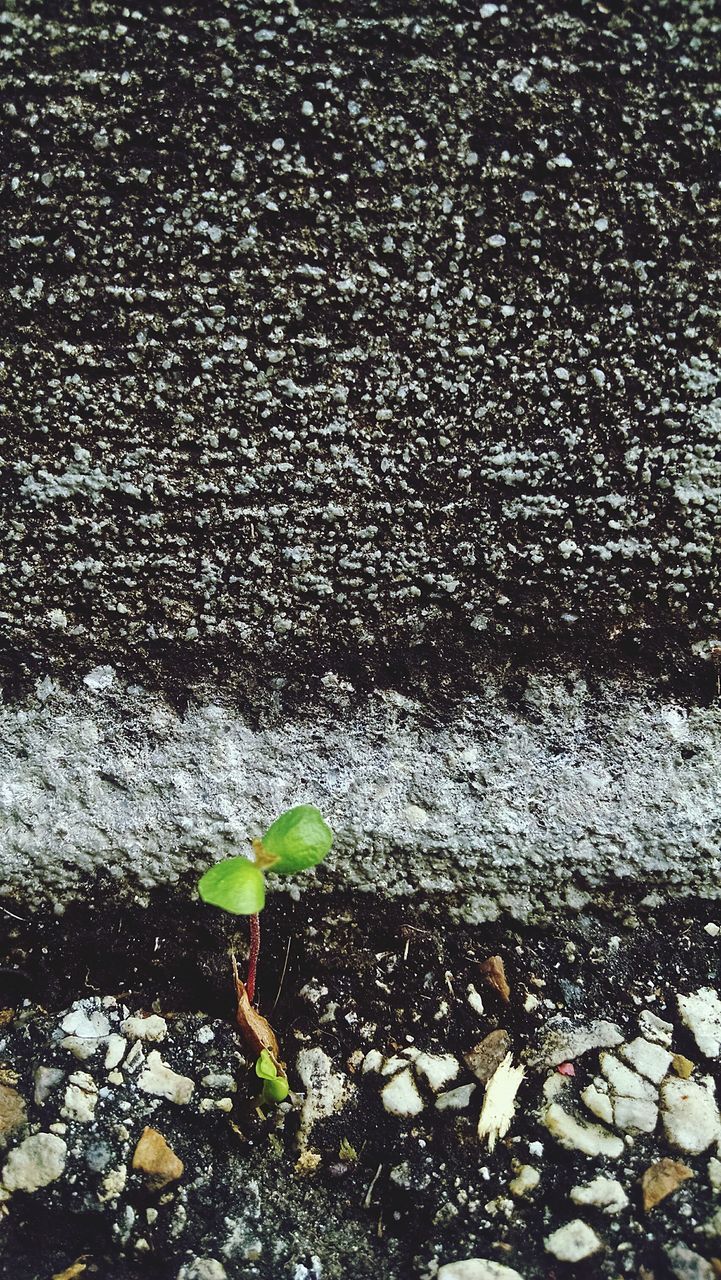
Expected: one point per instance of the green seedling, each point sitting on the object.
(275, 1085)
(298, 839)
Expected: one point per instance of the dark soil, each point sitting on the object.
(404, 969)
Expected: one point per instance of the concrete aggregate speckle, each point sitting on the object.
(335, 334)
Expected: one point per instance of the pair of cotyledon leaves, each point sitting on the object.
(296, 840)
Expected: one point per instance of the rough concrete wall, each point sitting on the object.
(341, 330)
(575, 789)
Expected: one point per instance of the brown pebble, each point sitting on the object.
(661, 1180)
(155, 1158)
(493, 972)
(12, 1112)
(483, 1059)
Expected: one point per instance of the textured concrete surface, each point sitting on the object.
(341, 333)
(527, 805)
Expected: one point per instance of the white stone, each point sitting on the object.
(116, 1049)
(99, 678)
(160, 1080)
(701, 1013)
(455, 1099)
(477, 1269)
(651, 1060)
(624, 1081)
(152, 1027)
(577, 1136)
(564, 1042)
(81, 1098)
(573, 1242)
(202, 1269)
(526, 1180)
(38, 1161)
(598, 1100)
(85, 1032)
(474, 999)
(400, 1096)
(326, 1090)
(690, 1114)
(635, 1115)
(714, 1173)
(438, 1069)
(605, 1194)
(392, 1065)
(373, 1061)
(654, 1028)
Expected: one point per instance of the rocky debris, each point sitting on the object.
(145, 1027)
(577, 1135)
(690, 1115)
(563, 1042)
(622, 1097)
(326, 1090)
(456, 1099)
(13, 1113)
(81, 1098)
(602, 1193)
(154, 1157)
(86, 1031)
(400, 1096)
(202, 1269)
(493, 972)
(683, 1066)
(525, 1181)
(573, 1242)
(157, 1078)
(437, 1069)
(477, 1269)
(655, 1029)
(486, 1056)
(650, 1060)
(701, 1012)
(685, 1264)
(36, 1162)
(46, 1079)
(662, 1179)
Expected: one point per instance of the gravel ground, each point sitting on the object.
(609, 1167)
(341, 341)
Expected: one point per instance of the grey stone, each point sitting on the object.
(685, 1264)
(39, 1160)
(491, 780)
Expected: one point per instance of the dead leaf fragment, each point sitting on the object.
(254, 1028)
(6, 1016)
(494, 975)
(155, 1158)
(499, 1103)
(661, 1180)
(683, 1067)
(75, 1269)
(483, 1059)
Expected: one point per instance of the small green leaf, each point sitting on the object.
(297, 839)
(275, 1085)
(275, 1090)
(236, 885)
(265, 1067)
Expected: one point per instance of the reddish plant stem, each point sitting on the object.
(253, 956)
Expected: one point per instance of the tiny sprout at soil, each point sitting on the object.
(275, 1085)
(298, 839)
